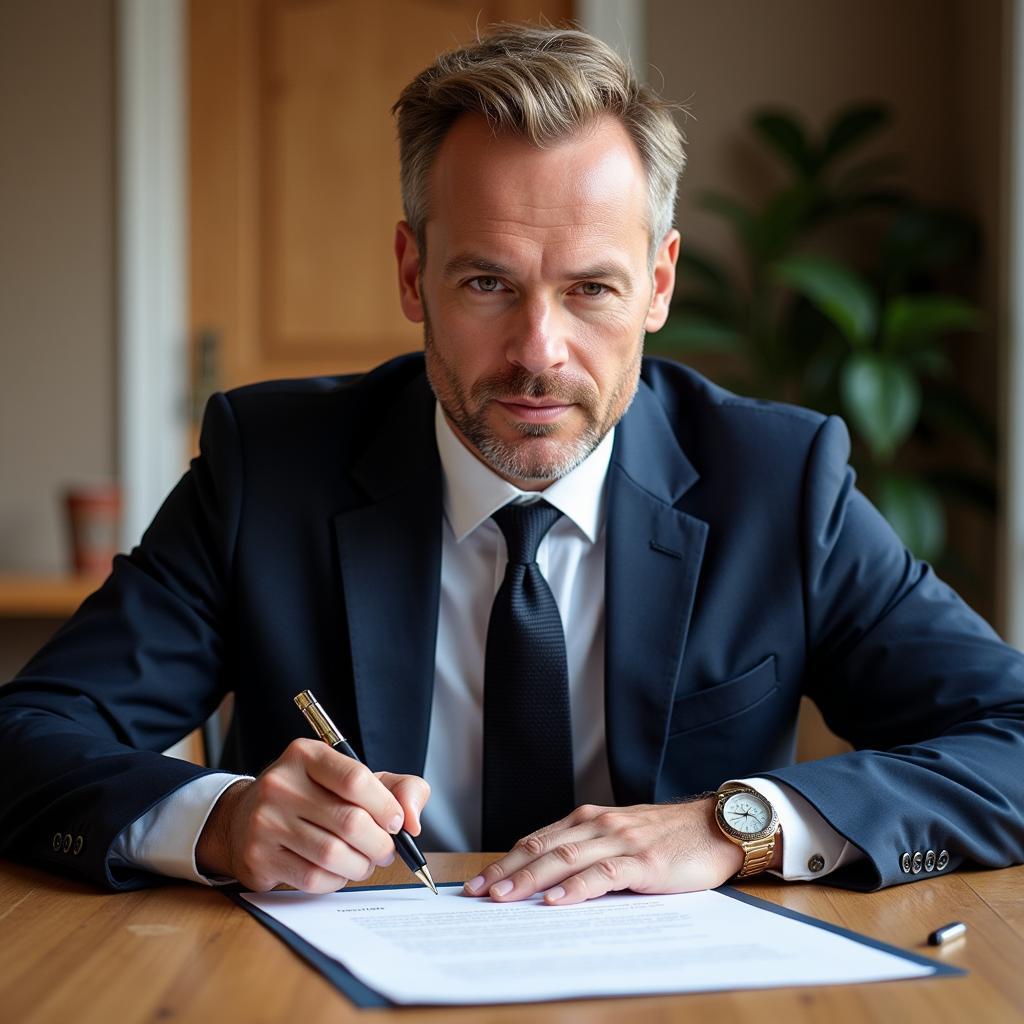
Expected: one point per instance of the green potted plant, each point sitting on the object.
(859, 324)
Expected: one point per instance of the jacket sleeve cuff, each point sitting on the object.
(163, 840)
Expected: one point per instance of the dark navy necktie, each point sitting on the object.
(528, 771)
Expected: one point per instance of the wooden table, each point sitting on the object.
(185, 953)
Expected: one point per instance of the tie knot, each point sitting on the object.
(524, 527)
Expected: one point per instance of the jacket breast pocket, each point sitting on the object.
(726, 731)
(720, 702)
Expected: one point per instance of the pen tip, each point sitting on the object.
(424, 876)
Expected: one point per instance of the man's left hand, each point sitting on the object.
(647, 848)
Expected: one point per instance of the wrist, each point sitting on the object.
(213, 848)
(728, 856)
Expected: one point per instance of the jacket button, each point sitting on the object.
(929, 861)
(79, 843)
(905, 863)
(918, 862)
(66, 846)
(816, 863)
(57, 838)
(943, 860)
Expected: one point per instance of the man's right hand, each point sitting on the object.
(315, 820)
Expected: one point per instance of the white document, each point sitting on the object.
(414, 947)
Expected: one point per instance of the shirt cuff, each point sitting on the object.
(164, 839)
(811, 847)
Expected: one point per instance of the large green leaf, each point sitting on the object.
(838, 292)
(685, 332)
(914, 320)
(882, 400)
(851, 126)
(915, 512)
(785, 134)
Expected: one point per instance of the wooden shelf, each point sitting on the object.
(38, 596)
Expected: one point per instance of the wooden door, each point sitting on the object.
(294, 177)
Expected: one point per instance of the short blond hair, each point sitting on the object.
(545, 84)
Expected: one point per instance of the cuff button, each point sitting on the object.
(905, 863)
(57, 839)
(929, 861)
(79, 843)
(918, 862)
(66, 845)
(943, 861)
(816, 863)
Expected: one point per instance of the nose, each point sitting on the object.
(538, 342)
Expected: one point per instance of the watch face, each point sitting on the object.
(746, 813)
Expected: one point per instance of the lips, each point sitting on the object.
(534, 410)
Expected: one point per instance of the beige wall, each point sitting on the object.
(57, 368)
(921, 56)
(57, 363)
(938, 63)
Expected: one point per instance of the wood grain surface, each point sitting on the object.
(183, 952)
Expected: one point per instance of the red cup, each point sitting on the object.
(94, 518)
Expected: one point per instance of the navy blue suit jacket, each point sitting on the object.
(744, 570)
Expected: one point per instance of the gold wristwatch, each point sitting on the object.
(747, 819)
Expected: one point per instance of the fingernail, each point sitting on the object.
(388, 860)
(395, 824)
(502, 888)
(474, 884)
(554, 894)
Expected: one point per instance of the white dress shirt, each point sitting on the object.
(571, 558)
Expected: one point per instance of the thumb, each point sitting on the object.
(412, 793)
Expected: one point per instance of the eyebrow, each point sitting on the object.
(602, 271)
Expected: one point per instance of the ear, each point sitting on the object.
(664, 273)
(407, 255)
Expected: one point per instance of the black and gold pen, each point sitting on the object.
(329, 733)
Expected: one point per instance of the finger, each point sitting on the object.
(574, 828)
(567, 857)
(303, 875)
(354, 783)
(412, 793)
(610, 874)
(326, 851)
(348, 823)
(264, 866)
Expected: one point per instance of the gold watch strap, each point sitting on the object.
(757, 855)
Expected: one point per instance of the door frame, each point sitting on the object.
(152, 162)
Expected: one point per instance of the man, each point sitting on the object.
(643, 633)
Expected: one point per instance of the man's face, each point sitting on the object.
(536, 292)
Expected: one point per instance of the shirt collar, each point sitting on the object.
(473, 492)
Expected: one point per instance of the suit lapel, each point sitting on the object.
(654, 554)
(389, 554)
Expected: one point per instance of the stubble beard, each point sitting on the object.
(528, 461)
